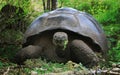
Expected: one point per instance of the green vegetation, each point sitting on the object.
(42, 66)
(106, 12)
(112, 32)
(65, 43)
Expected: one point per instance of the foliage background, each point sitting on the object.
(106, 12)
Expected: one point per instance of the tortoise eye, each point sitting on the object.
(64, 37)
(55, 37)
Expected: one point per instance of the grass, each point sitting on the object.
(40, 66)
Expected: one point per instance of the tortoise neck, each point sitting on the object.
(60, 52)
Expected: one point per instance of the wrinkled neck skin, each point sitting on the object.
(60, 52)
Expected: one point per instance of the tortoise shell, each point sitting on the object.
(71, 20)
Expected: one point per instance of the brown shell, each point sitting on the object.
(69, 19)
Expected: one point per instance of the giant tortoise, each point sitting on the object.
(62, 35)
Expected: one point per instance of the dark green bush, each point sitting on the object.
(13, 20)
(113, 36)
(105, 11)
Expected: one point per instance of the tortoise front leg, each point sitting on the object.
(81, 52)
(28, 53)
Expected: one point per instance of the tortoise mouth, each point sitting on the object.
(58, 42)
(62, 44)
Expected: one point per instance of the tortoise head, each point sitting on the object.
(60, 39)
